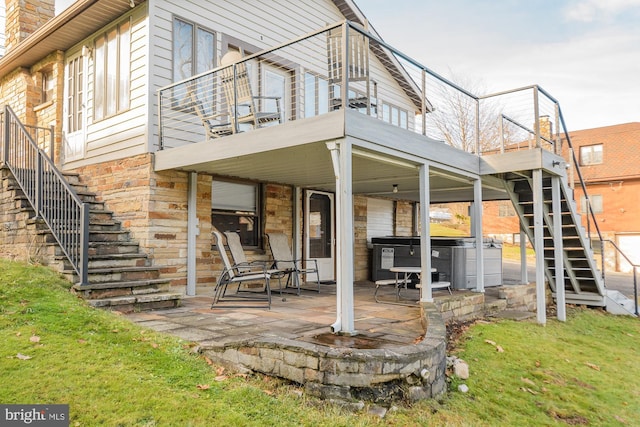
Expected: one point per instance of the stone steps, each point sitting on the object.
(120, 275)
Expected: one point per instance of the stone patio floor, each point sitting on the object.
(306, 317)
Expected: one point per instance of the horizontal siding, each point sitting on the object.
(260, 26)
(124, 134)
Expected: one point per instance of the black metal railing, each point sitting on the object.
(48, 192)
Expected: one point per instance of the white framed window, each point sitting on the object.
(316, 95)
(596, 204)
(506, 210)
(591, 155)
(193, 52)
(395, 115)
(112, 75)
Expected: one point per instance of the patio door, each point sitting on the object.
(319, 232)
(74, 108)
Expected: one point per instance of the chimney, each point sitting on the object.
(546, 128)
(24, 17)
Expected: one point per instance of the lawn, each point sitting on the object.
(55, 349)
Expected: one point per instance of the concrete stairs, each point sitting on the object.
(121, 276)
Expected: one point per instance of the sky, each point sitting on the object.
(585, 53)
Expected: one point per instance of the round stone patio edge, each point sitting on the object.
(410, 372)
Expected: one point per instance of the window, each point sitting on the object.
(506, 210)
(316, 95)
(236, 207)
(394, 115)
(48, 86)
(112, 76)
(591, 155)
(191, 41)
(596, 204)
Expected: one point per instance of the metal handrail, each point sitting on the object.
(48, 192)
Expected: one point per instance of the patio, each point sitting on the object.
(398, 352)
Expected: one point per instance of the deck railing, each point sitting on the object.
(48, 192)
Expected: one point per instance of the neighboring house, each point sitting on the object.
(609, 163)
(146, 112)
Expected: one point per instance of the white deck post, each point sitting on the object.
(426, 294)
(193, 230)
(476, 230)
(342, 164)
(558, 249)
(538, 233)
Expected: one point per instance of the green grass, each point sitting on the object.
(112, 372)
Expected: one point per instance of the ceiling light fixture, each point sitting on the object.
(395, 188)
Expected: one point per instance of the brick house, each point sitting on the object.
(133, 102)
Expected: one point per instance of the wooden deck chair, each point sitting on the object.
(215, 125)
(238, 276)
(284, 261)
(358, 67)
(244, 106)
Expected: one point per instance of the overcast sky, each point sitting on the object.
(586, 53)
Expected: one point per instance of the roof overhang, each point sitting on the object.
(78, 21)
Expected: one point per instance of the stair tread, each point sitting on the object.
(117, 285)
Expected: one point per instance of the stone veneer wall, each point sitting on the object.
(413, 372)
(153, 207)
(18, 239)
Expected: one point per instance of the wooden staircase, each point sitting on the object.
(582, 280)
(120, 274)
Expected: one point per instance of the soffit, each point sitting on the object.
(80, 20)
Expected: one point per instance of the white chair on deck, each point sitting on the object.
(244, 106)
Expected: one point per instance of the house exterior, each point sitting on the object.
(139, 101)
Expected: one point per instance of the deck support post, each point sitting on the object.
(538, 234)
(342, 165)
(426, 293)
(558, 249)
(193, 230)
(476, 231)
(524, 274)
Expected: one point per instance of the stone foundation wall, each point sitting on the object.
(413, 372)
(18, 239)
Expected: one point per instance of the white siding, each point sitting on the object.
(254, 23)
(124, 134)
(379, 218)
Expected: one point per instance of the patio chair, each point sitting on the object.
(358, 69)
(239, 275)
(285, 262)
(240, 259)
(243, 108)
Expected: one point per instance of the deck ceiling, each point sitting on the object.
(292, 155)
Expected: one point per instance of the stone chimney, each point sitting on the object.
(24, 17)
(546, 128)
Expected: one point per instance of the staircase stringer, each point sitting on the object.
(524, 222)
(577, 222)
